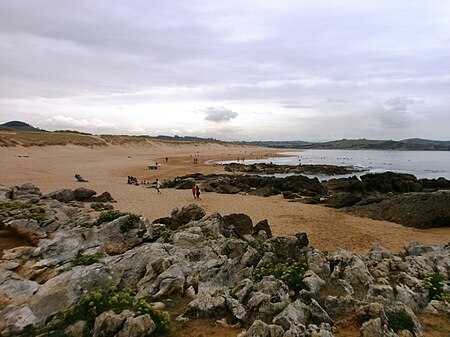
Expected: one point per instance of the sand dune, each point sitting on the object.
(107, 167)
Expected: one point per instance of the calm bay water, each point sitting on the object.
(422, 164)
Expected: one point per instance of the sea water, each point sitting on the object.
(422, 164)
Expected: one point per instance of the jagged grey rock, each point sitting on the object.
(259, 328)
(208, 263)
(295, 313)
(27, 228)
(184, 215)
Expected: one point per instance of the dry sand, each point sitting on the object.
(53, 167)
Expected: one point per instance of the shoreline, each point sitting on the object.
(53, 168)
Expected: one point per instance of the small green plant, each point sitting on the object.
(400, 321)
(108, 216)
(13, 206)
(91, 305)
(166, 235)
(291, 273)
(38, 216)
(434, 283)
(132, 221)
(86, 260)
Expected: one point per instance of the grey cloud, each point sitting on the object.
(395, 113)
(219, 114)
(110, 52)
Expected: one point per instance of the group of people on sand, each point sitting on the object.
(196, 192)
(132, 181)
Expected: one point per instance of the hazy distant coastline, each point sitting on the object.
(413, 144)
(29, 136)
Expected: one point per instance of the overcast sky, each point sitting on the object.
(232, 70)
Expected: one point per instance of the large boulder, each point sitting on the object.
(420, 210)
(241, 223)
(295, 313)
(83, 194)
(390, 182)
(343, 199)
(63, 195)
(182, 216)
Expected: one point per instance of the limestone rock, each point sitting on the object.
(109, 323)
(295, 313)
(27, 228)
(259, 328)
(191, 212)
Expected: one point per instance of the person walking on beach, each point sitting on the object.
(158, 186)
(194, 191)
(197, 192)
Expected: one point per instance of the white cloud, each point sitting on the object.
(218, 115)
(61, 121)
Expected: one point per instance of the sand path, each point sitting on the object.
(107, 168)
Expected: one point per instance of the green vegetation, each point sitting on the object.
(434, 283)
(291, 273)
(38, 216)
(40, 138)
(86, 260)
(5, 128)
(108, 216)
(13, 206)
(91, 305)
(28, 211)
(400, 321)
(165, 234)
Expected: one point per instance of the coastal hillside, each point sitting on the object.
(27, 137)
(413, 144)
(19, 126)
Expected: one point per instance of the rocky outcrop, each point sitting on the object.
(379, 183)
(252, 184)
(420, 210)
(213, 262)
(263, 168)
(80, 194)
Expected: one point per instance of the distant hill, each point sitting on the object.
(187, 138)
(413, 144)
(21, 126)
(295, 144)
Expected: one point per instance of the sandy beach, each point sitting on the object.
(106, 167)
